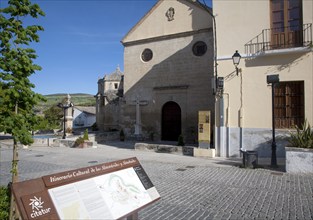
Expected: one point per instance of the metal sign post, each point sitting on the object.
(274, 80)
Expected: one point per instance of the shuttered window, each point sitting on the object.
(289, 104)
(286, 23)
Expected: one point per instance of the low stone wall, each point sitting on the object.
(43, 141)
(70, 140)
(63, 143)
(299, 160)
(186, 150)
(106, 136)
(160, 148)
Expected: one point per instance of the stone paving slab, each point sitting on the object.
(190, 188)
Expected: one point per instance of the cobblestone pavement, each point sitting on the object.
(190, 188)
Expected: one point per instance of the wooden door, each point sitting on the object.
(171, 121)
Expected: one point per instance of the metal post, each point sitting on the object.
(64, 135)
(273, 80)
(273, 158)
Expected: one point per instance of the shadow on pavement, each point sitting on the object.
(131, 144)
(119, 144)
(263, 164)
(236, 162)
(5, 137)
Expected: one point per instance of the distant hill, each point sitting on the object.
(79, 99)
(72, 95)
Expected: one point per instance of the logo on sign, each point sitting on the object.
(37, 207)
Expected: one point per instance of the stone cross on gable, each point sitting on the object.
(138, 103)
(68, 99)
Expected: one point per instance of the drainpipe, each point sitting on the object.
(223, 150)
(241, 113)
(227, 125)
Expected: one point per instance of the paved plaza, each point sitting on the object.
(190, 188)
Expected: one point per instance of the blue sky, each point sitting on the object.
(81, 42)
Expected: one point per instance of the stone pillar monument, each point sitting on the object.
(68, 114)
(138, 126)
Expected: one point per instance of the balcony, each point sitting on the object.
(280, 38)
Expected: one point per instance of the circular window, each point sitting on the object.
(199, 48)
(146, 55)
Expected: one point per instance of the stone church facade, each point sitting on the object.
(168, 67)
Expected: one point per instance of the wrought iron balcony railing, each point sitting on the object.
(280, 38)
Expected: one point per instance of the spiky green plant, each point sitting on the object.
(302, 137)
(86, 137)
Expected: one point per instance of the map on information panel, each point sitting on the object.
(109, 196)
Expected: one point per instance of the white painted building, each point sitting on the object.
(274, 37)
(83, 117)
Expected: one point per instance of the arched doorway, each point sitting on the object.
(171, 121)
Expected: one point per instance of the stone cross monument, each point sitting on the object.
(138, 128)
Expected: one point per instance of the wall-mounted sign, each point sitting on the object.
(105, 191)
(204, 133)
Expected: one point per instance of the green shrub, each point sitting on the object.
(181, 141)
(122, 135)
(79, 141)
(86, 135)
(302, 137)
(4, 202)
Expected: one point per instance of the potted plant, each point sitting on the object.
(80, 142)
(181, 141)
(86, 137)
(299, 152)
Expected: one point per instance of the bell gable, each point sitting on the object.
(168, 17)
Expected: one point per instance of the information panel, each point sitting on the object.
(105, 191)
(204, 133)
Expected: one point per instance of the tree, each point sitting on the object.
(53, 116)
(16, 66)
(42, 124)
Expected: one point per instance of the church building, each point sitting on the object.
(110, 89)
(168, 67)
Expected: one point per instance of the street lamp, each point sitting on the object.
(236, 60)
(64, 107)
(274, 80)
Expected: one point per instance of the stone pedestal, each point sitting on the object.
(200, 152)
(299, 160)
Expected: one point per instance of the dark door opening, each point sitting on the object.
(171, 121)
